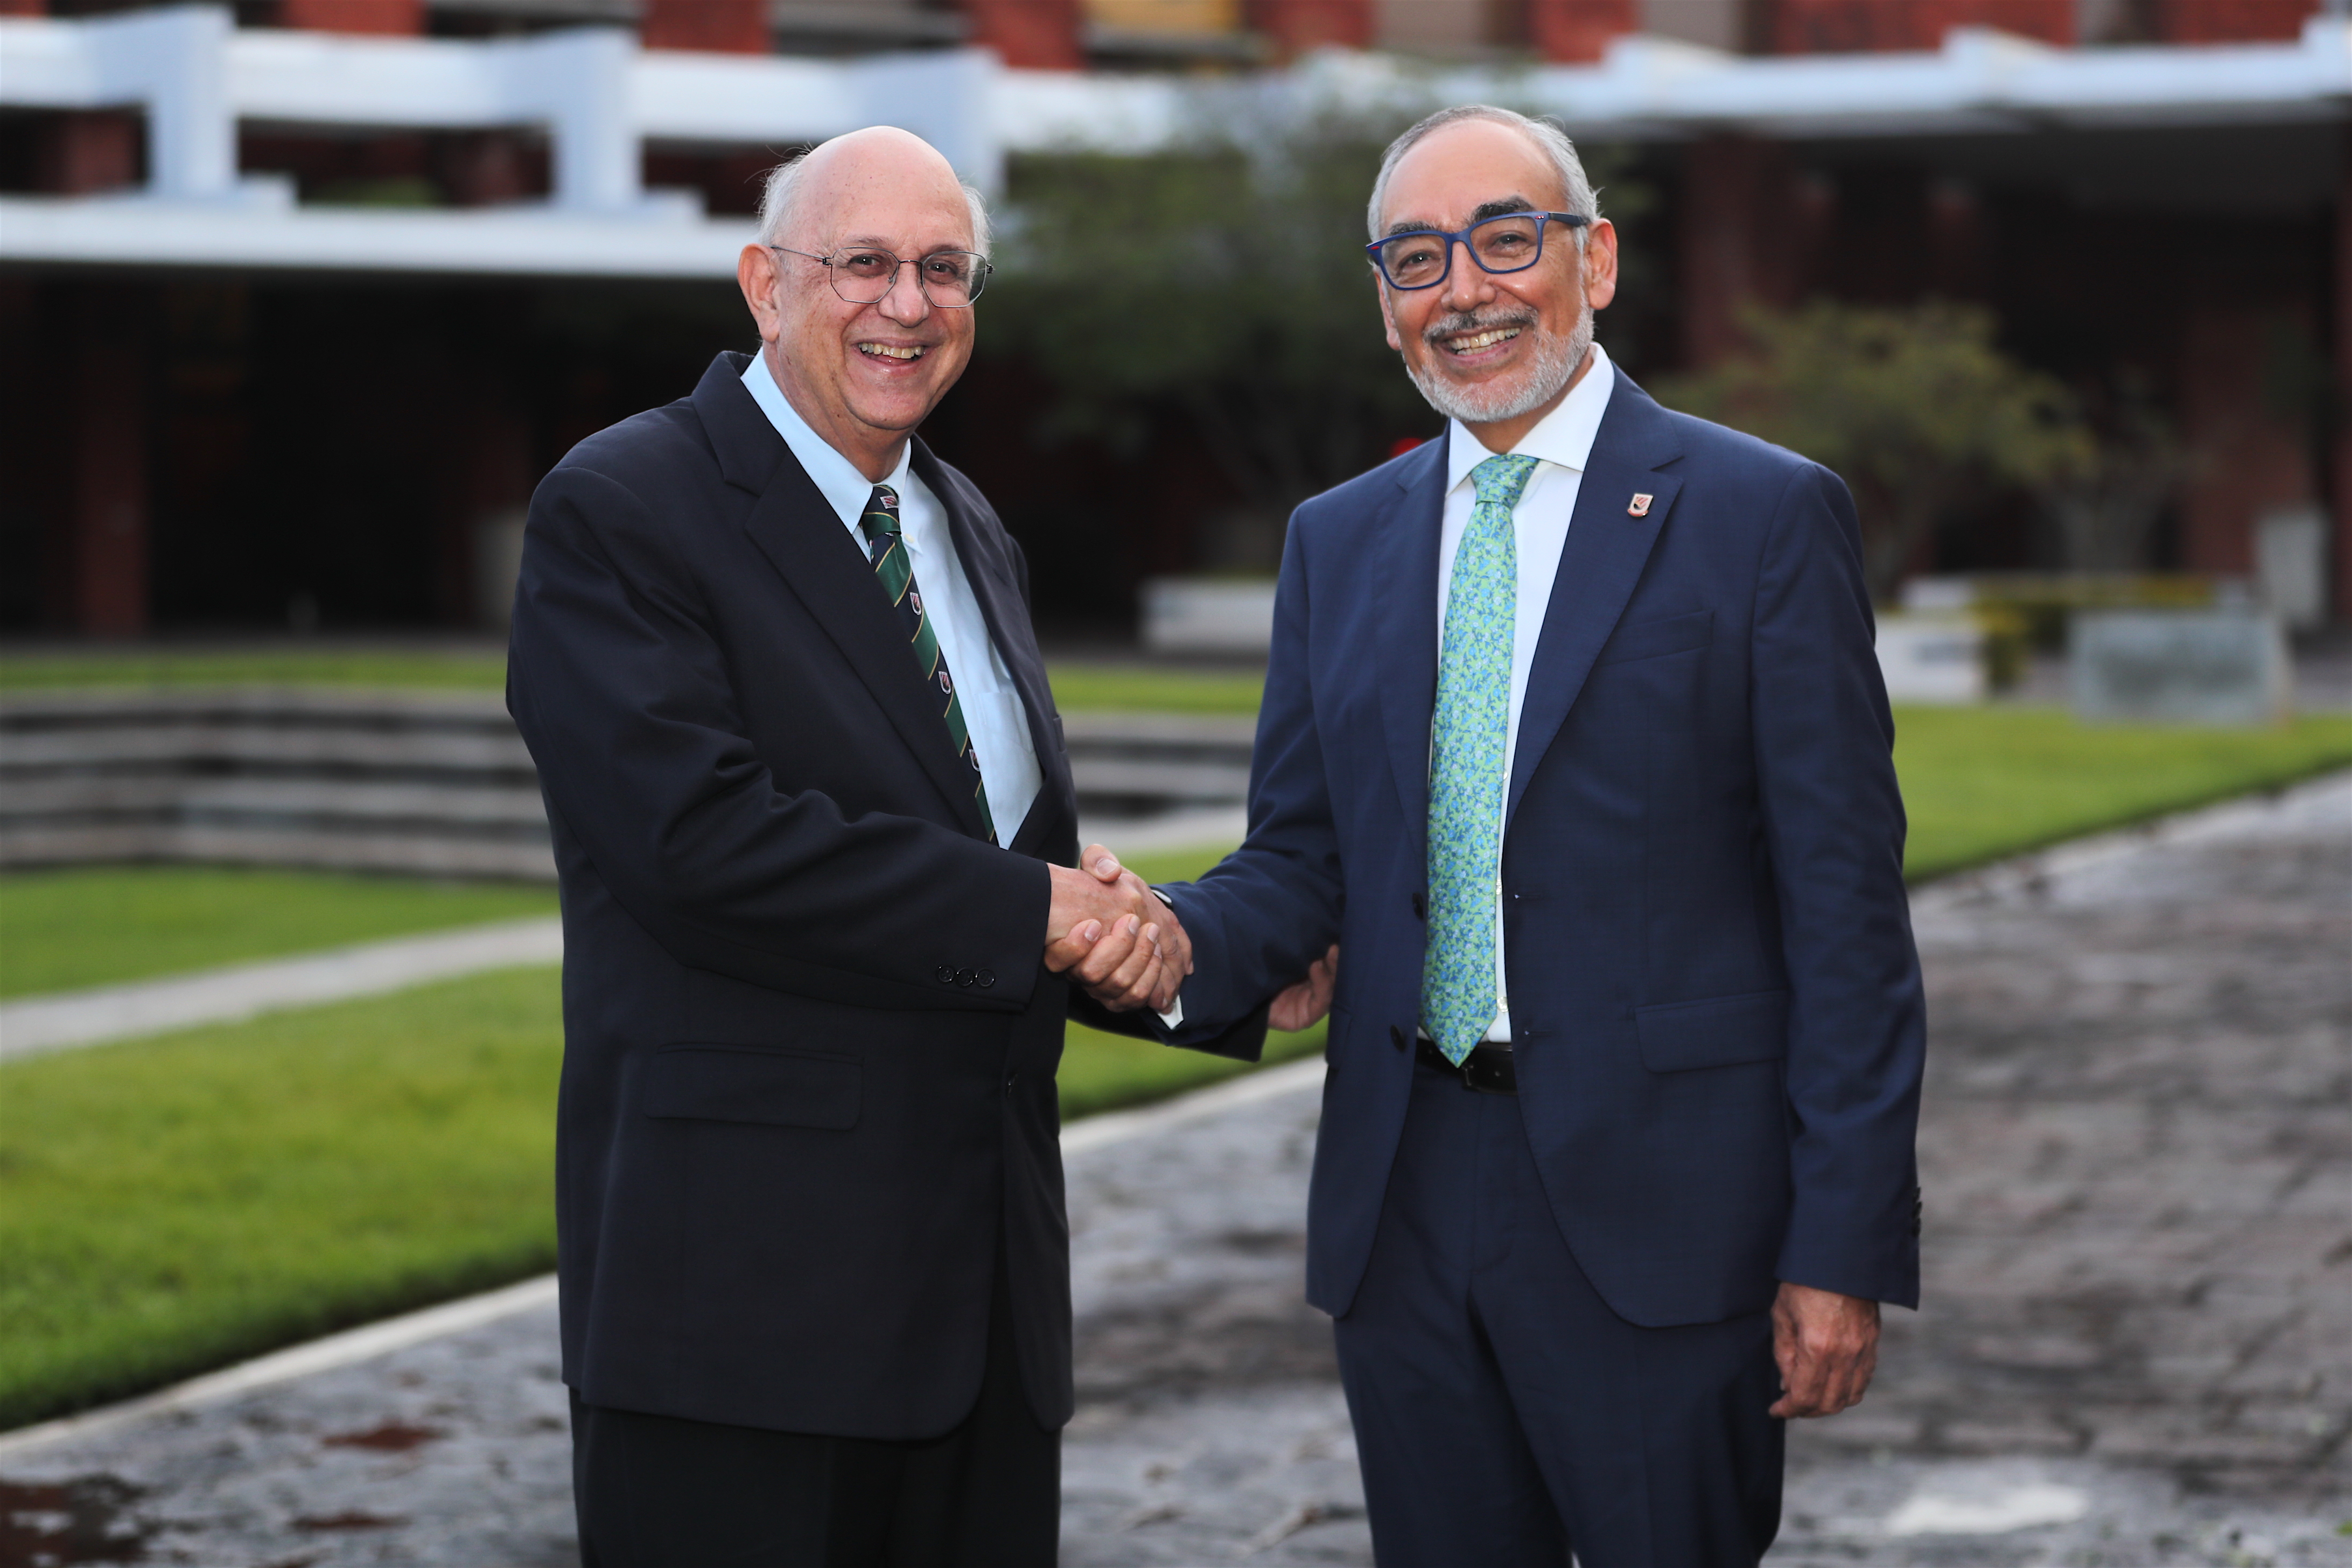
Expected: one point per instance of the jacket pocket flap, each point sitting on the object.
(1717, 1032)
(750, 1083)
(1656, 639)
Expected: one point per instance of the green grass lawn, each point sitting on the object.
(462, 666)
(90, 926)
(1983, 782)
(171, 1204)
(168, 1206)
(1078, 687)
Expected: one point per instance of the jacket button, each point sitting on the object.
(1420, 907)
(1010, 1079)
(965, 977)
(943, 975)
(987, 978)
(1396, 1036)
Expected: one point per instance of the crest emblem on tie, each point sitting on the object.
(1639, 506)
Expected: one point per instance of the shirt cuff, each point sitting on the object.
(1174, 1016)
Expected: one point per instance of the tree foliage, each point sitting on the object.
(1918, 409)
(1224, 283)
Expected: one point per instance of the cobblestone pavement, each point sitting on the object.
(2136, 1348)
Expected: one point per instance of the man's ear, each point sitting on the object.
(1600, 266)
(755, 274)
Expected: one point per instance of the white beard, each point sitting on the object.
(1556, 363)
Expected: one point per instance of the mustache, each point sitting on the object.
(1476, 321)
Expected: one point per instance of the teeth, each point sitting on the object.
(1477, 341)
(887, 351)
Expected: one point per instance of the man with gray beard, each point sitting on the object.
(1575, 744)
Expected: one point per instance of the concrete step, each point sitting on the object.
(434, 783)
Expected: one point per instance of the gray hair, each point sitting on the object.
(782, 192)
(1546, 134)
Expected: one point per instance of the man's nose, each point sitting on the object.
(1465, 281)
(906, 303)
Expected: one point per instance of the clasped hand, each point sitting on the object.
(1114, 936)
(1110, 933)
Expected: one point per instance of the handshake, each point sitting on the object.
(1113, 935)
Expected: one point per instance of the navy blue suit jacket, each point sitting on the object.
(808, 1107)
(1714, 996)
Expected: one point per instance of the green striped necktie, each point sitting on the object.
(1469, 734)
(896, 573)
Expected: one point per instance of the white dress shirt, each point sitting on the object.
(993, 710)
(1562, 445)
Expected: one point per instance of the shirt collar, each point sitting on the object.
(836, 477)
(1564, 436)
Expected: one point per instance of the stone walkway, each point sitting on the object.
(2136, 1348)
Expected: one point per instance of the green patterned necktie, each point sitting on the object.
(1466, 764)
(896, 573)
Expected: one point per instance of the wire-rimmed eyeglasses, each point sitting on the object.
(864, 275)
(1423, 258)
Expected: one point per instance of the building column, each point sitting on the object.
(718, 26)
(1576, 32)
(2248, 456)
(105, 457)
(1743, 222)
(2340, 442)
(1030, 35)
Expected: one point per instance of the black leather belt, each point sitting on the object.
(1488, 1070)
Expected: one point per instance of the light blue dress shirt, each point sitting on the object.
(993, 709)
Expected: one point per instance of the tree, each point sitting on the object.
(1918, 409)
(1224, 283)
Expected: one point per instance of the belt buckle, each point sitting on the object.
(1482, 1079)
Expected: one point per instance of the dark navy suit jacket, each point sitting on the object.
(808, 1106)
(1714, 996)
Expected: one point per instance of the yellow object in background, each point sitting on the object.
(1167, 15)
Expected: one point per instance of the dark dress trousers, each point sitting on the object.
(808, 1106)
(1715, 998)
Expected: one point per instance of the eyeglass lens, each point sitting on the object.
(948, 277)
(1505, 243)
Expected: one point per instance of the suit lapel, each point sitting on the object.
(800, 534)
(1006, 612)
(1599, 565)
(1405, 631)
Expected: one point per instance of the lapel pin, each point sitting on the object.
(1639, 506)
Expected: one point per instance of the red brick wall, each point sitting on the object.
(2232, 21)
(1036, 34)
(722, 27)
(1298, 25)
(1576, 31)
(352, 15)
(1839, 26)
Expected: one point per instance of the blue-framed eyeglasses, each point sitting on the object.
(1423, 258)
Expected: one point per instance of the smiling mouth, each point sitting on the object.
(901, 353)
(1471, 342)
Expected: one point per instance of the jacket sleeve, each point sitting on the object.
(1267, 911)
(623, 697)
(1833, 828)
